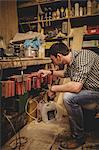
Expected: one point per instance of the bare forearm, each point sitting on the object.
(59, 73)
(68, 87)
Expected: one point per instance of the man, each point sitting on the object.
(83, 70)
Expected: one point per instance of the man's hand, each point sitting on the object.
(44, 72)
(51, 94)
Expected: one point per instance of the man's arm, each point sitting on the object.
(71, 86)
(59, 73)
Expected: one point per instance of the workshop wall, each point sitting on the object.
(8, 19)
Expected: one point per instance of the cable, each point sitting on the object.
(12, 128)
(17, 139)
(54, 140)
(24, 91)
(29, 114)
(1, 73)
(58, 138)
(26, 106)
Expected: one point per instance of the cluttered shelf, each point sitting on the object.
(63, 19)
(49, 15)
(22, 62)
(86, 37)
(47, 20)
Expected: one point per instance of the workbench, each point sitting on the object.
(22, 62)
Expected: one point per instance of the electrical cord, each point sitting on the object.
(26, 107)
(29, 114)
(1, 73)
(17, 140)
(12, 128)
(54, 140)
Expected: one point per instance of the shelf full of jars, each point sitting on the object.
(52, 14)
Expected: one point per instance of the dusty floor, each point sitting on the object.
(41, 136)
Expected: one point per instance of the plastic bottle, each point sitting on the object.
(89, 7)
(81, 11)
(48, 112)
(66, 12)
(62, 12)
(84, 10)
(94, 6)
(76, 9)
(73, 11)
(58, 13)
(42, 51)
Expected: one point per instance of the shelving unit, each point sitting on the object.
(38, 21)
(81, 20)
(30, 18)
(14, 106)
(56, 23)
(88, 17)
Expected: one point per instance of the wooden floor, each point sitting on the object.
(41, 136)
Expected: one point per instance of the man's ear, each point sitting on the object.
(59, 56)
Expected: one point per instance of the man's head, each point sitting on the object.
(59, 53)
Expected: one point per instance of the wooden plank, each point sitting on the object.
(8, 19)
(29, 4)
(22, 62)
(77, 38)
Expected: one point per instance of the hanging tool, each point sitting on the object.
(41, 15)
(46, 11)
(49, 15)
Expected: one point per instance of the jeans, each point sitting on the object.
(73, 103)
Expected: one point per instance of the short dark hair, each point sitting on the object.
(59, 48)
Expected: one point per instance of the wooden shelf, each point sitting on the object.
(29, 22)
(22, 62)
(29, 4)
(86, 38)
(91, 37)
(90, 20)
(61, 19)
(56, 39)
(84, 16)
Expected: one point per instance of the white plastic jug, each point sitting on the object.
(48, 112)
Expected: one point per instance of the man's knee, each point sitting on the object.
(68, 97)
